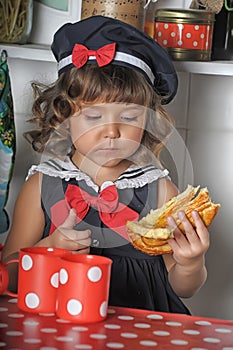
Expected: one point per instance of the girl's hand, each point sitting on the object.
(189, 249)
(66, 237)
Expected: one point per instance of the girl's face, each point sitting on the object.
(107, 133)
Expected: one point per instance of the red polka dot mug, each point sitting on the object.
(83, 288)
(38, 276)
(4, 279)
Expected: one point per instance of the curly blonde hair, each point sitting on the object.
(55, 103)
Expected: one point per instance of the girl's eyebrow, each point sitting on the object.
(126, 107)
(141, 108)
(135, 108)
(132, 105)
(91, 107)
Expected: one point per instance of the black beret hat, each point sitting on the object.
(126, 45)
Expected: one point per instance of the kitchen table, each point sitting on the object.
(124, 328)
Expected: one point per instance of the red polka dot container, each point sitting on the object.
(186, 34)
(84, 288)
(38, 278)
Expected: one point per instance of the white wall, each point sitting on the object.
(210, 142)
(203, 111)
(205, 119)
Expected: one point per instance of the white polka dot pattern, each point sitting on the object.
(142, 325)
(98, 336)
(161, 333)
(80, 329)
(122, 329)
(32, 341)
(184, 36)
(32, 300)
(154, 317)
(63, 276)
(39, 279)
(27, 262)
(84, 288)
(103, 309)
(129, 335)
(74, 307)
(115, 345)
(112, 326)
(16, 315)
(94, 274)
(125, 318)
(54, 280)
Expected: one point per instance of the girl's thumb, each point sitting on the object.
(70, 220)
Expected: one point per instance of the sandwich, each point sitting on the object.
(150, 234)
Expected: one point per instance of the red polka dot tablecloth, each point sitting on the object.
(123, 329)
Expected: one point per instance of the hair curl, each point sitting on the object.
(55, 103)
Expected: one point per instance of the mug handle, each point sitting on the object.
(4, 279)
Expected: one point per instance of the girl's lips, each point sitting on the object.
(108, 149)
(108, 152)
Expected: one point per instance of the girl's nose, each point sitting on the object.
(111, 131)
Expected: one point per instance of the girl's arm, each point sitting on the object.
(186, 266)
(28, 226)
(28, 219)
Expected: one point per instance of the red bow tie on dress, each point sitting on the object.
(103, 55)
(112, 213)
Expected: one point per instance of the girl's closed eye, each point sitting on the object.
(133, 115)
(91, 114)
(92, 117)
(129, 117)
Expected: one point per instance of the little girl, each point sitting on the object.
(101, 127)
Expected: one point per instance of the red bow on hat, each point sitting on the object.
(104, 55)
(112, 213)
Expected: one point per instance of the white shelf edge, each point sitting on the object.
(44, 53)
(29, 52)
(210, 67)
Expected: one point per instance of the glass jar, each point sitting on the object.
(15, 20)
(223, 33)
(149, 27)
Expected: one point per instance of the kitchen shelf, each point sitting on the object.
(28, 52)
(43, 53)
(211, 67)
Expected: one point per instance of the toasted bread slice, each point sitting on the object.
(151, 233)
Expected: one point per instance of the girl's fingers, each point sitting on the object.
(189, 236)
(85, 242)
(179, 238)
(190, 232)
(78, 245)
(85, 250)
(201, 229)
(75, 235)
(195, 237)
(171, 222)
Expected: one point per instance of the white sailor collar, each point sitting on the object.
(133, 177)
